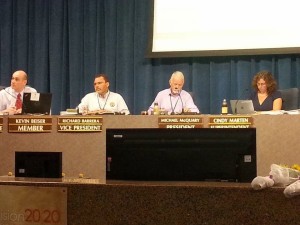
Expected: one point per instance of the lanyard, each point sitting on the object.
(173, 109)
(105, 101)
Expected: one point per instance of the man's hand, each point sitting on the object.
(11, 111)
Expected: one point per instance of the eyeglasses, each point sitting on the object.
(261, 84)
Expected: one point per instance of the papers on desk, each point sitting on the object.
(69, 112)
(276, 112)
(62, 113)
(293, 112)
(281, 112)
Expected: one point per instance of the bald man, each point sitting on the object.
(11, 98)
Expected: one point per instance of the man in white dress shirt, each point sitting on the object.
(11, 97)
(102, 100)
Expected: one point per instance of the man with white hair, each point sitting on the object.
(175, 100)
(11, 98)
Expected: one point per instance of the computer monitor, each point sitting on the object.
(36, 103)
(38, 164)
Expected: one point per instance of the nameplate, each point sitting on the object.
(29, 124)
(178, 122)
(1, 124)
(33, 205)
(230, 122)
(79, 124)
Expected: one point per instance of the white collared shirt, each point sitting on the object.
(8, 97)
(112, 101)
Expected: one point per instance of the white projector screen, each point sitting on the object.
(224, 27)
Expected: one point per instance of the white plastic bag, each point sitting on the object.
(283, 175)
(259, 182)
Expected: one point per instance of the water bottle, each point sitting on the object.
(155, 109)
(224, 110)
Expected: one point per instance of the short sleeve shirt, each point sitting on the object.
(267, 104)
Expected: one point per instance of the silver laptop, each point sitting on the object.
(242, 107)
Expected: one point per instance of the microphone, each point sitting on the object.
(182, 111)
(5, 89)
(172, 113)
(237, 101)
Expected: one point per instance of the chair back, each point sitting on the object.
(290, 98)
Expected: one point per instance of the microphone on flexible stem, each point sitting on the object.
(182, 111)
(5, 89)
(237, 101)
(172, 113)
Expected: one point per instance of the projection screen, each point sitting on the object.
(220, 28)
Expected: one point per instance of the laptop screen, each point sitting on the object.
(242, 107)
(36, 103)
